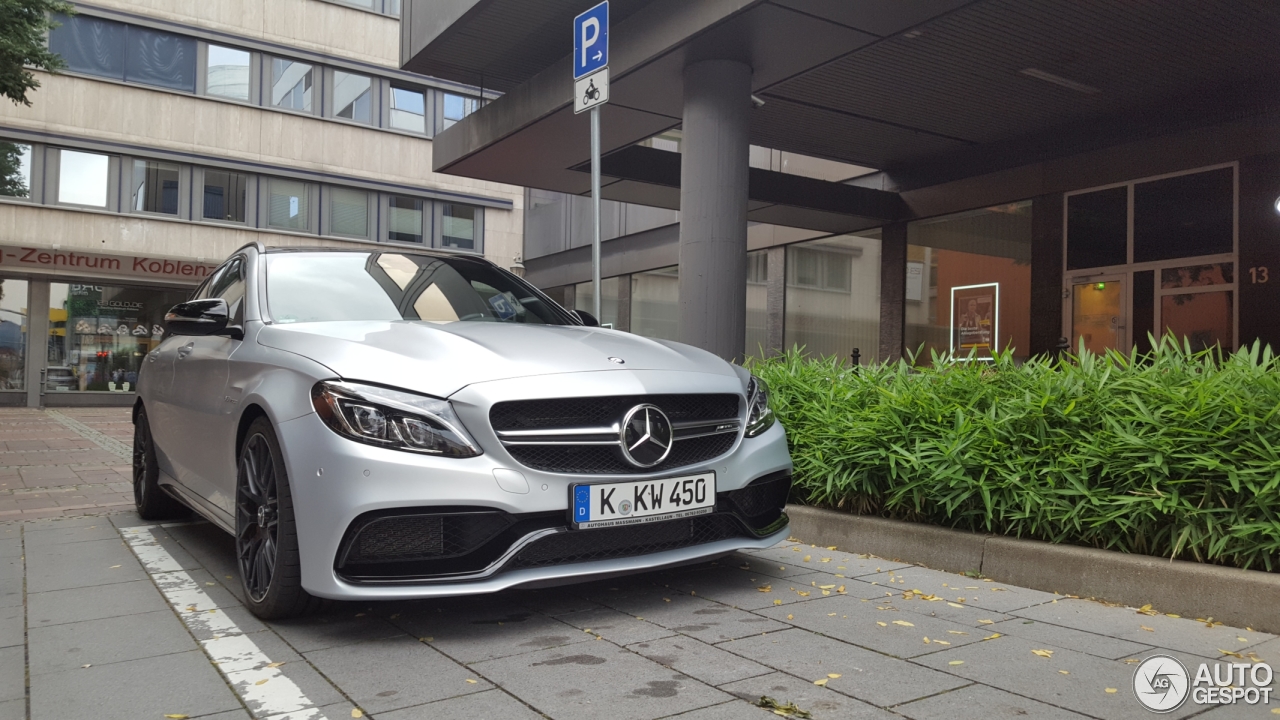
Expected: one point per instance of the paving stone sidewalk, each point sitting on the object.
(100, 619)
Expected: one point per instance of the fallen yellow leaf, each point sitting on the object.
(177, 716)
(942, 642)
(903, 623)
(275, 664)
(955, 605)
(1232, 654)
(1063, 672)
(882, 624)
(806, 558)
(1131, 661)
(826, 559)
(986, 622)
(1172, 615)
(113, 567)
(357, 713)
(470, 681)
(1144, 627)
(1043, 653)
(993, 636)
(957, 632)
(926, 641)
(1111, 691)
(777, 602)
(263, 681)
(825, 587)
(833, 676)
(821, 682)
(790, 616)
(956, 662)
(831, 547)
(802, 593)
(765, 588)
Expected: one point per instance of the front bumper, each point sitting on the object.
(335, 482)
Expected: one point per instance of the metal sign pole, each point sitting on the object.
(595, 212)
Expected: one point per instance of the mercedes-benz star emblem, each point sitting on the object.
(646, 436)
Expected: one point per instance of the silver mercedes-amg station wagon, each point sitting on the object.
(385, 424)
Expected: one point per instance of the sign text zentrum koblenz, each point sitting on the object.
(75, 262)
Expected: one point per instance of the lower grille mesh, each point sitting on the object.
(629, 541)
(415, 537)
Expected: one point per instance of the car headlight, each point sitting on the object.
(759, 415)
(392, 419)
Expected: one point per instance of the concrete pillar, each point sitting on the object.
(893, 291)
(37, 340)
(1046, 274)
(776, 300)
(713, 207)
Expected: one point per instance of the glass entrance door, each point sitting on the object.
(1099, 316)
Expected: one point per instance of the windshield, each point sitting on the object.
(329, 286)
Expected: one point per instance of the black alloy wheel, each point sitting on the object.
(257, 517)
(152, 502)
(266, 535)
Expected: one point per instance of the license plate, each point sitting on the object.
(643, 501)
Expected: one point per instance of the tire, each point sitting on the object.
(152, 502)
(267, 555)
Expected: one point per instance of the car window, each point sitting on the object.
(230, 286)
(320, 286)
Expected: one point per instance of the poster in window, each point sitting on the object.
(975, 313)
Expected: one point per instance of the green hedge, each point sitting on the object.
(1175, 454)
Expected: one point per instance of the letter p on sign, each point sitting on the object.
(591, 40)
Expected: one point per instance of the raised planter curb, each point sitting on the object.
(1241, 598)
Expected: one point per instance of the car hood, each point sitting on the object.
(441, 358)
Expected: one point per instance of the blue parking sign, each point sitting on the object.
(591, 40)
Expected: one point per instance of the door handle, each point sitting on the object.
(185, 350)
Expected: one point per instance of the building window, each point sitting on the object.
(583, 299)
(820, 268)
(225, 196)
(833, 296)
(83, 178)
(455, 107)
(288, 205)
(15, 170)
(352, 96)
(160, 58)
(458, 226)
(154, 187)
(968, 284)
(349, 212)
(90, 45)
(13, 334)
(291, 84)
(1184, 216)
(404, 223)
(655, 303)
(227, 73)
(408, 110)
(99, 335)
(1098, 228)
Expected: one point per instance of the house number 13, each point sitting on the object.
(1259, 275)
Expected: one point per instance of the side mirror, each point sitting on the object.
(587, 318)
(201, 317)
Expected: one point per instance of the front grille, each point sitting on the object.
(604, 411)
(711, 418)
(629, 541)
(607, 460)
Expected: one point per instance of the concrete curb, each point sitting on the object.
(1241, 598)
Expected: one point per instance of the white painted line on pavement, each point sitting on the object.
(266, 690)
